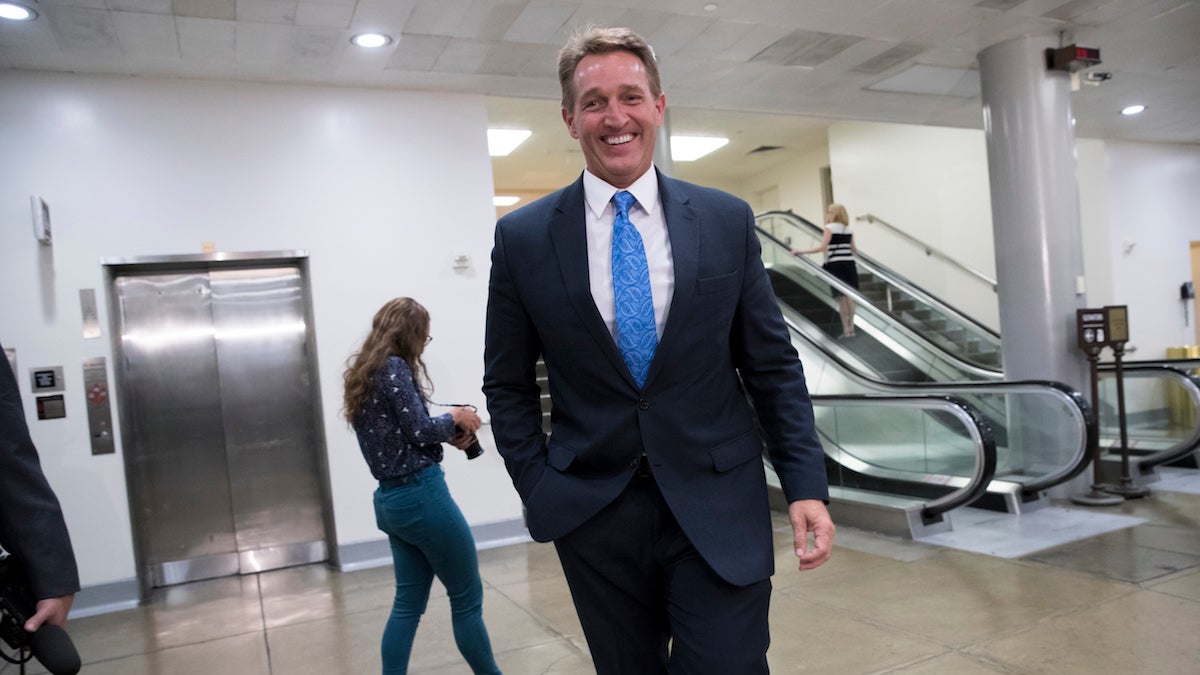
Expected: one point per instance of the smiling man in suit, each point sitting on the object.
(647, 299)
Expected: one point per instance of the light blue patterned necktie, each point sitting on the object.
(637, 336)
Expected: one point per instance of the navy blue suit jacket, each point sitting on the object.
(724, 338)
(31, 521)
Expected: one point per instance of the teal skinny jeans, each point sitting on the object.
(429, 536)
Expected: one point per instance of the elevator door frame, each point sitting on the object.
(115, 268)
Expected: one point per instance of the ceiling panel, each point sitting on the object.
(746, 65)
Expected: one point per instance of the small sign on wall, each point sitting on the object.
(41, 220)
(46, 378)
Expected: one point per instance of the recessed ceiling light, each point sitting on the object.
(15, 12)
(711, 7)
(1133, 109)
(371, 40)
(505, 200)
(690, 148)
(503, 141)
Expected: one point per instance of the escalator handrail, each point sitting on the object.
(929, 249)
(977, 427)
(898, 327)
(1073, 398)
(1192, 385)
(895, 326)
(895, 277)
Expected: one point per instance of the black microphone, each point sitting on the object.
(52, 646)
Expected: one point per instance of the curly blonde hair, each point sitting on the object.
(400, 328)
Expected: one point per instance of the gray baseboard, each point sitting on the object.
(121, 595)
(104, 598)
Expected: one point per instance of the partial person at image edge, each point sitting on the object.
(32, 528)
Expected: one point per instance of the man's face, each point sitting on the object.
(614, 116)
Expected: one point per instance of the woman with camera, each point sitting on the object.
(386, 389)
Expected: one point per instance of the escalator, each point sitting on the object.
(1162, 417)
(1043, 431)
(942, 343)
(949, 329)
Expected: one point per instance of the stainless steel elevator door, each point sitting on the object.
(221, 450)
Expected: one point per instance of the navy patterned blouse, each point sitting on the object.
(395, 432)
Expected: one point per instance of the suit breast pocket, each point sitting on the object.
(717, 284)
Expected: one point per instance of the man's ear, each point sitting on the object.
(569, 120)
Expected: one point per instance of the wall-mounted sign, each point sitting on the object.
(45, 379)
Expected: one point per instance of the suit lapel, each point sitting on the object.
(568, 233)
(683, 227)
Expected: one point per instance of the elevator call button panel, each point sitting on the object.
(95, 390)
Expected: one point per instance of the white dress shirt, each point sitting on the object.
(647, 217)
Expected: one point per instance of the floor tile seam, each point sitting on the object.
(536, 619)
(1152, 589)
(541, 643)
(874, 622)
(161, 648)
(343, 615)
(959, 645)
(1039, 623)
(1169, 577)
(1074, 571)
(991, 663)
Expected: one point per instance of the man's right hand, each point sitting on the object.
(51, 610)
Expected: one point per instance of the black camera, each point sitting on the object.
(50, 644)
(474, 449)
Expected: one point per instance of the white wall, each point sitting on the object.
(382, 188)
(795, 185)
(930, 182)
(1153, 202)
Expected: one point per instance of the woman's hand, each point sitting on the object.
(466, 420)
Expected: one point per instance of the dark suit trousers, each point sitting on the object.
(648, 602)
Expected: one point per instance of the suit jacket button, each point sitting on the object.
(643, 404)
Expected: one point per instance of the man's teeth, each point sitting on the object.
(617, 140)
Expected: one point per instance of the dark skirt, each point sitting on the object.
(844, 270)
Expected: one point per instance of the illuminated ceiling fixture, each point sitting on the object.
(691, 148)
(1133, 109)
(503, 141)
(15, 12)
(371, 40)
(505, 200)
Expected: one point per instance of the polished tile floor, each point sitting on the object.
(1125, 601)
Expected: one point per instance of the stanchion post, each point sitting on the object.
(1091, 341)
(1126, 488)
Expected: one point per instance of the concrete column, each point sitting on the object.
(1035, 210)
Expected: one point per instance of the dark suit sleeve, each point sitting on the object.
(511, 351)
(31, 521)
(774, 378)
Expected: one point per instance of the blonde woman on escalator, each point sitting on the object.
(838, 245)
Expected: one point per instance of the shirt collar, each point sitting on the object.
(598, 193)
